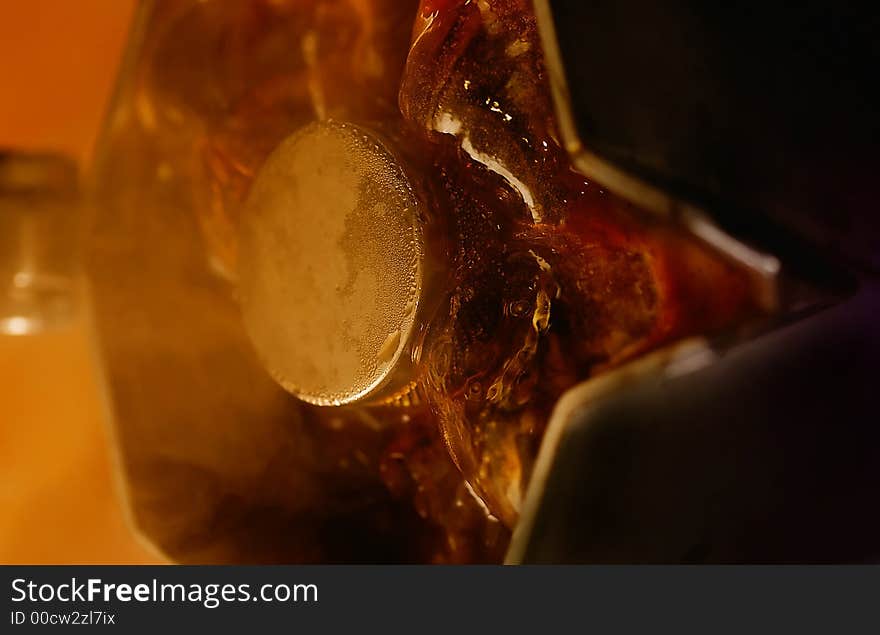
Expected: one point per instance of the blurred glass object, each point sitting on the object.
(39, 243)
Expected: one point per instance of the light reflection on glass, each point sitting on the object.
(16, 325)
(39, 269)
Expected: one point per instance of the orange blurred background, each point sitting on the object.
(59, 498)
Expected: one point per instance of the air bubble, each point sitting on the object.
(331, 267)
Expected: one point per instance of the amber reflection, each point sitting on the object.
(58, 499)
